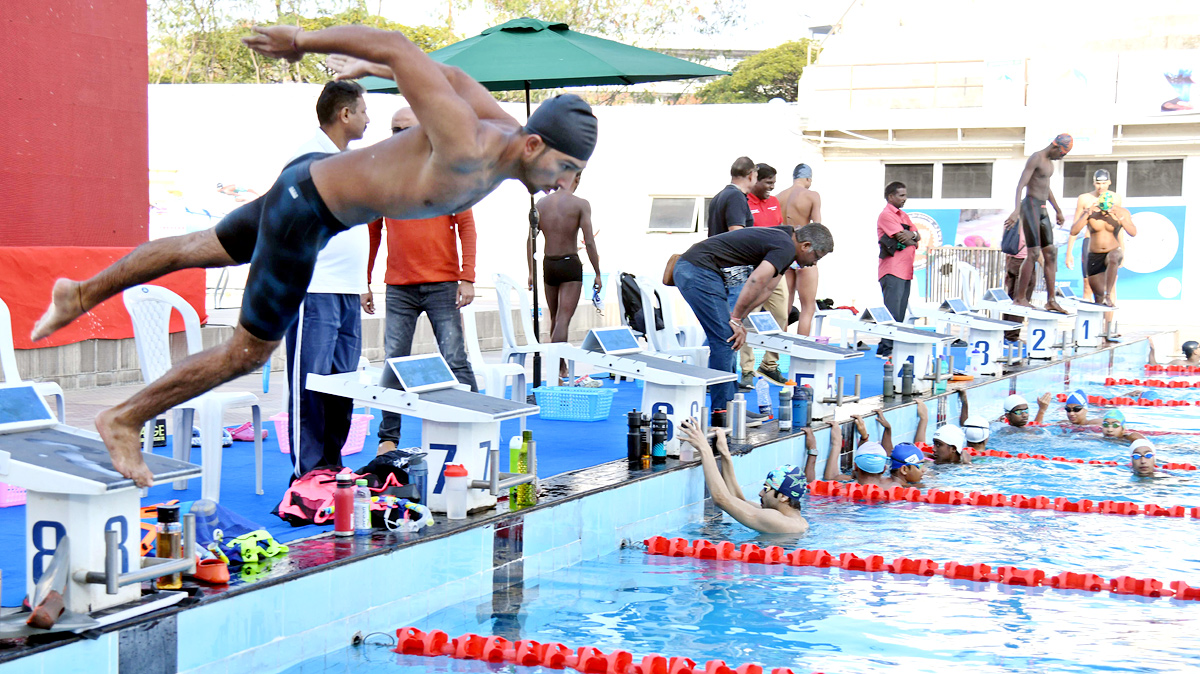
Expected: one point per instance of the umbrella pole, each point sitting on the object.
(533, 231)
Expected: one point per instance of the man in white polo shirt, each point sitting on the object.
(328, 333)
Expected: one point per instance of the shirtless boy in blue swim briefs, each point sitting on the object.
(464, 147)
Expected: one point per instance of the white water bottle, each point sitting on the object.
(763, 392)
(974, 361)
(362, 509)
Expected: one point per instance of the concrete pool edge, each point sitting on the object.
(309, 611)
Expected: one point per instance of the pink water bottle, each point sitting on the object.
(343, 505)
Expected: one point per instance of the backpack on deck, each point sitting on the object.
(631, 299)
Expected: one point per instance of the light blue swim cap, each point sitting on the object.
(801, 171)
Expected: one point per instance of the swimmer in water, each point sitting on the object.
(948, 441)
(975, 427)
(1141, 458)
(1016, 410)
(870, 459)
(464, 147)
(779, 500)
(1113, 427)
(1076, 407)
(1191, 355)
(908, 465)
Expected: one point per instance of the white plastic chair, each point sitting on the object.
(668, 340)
(150, 308)
(970, 287)
(8, 365)
(511, 351)
(492, 378)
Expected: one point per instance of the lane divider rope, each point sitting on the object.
(1184, 369)
(1151, 383)
(1126, 401)
(530, 653)
(855, 491)
(750, 553)
(1001, 454)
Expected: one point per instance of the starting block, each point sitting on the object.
(1089, 317)
(672, 387)
(457, 425)
(1043, 335)
(983, 333)
(908, 343)
(811, 361)
(72, 489)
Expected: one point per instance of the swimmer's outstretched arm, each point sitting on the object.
(447, 119)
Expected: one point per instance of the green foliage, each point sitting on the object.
(771, 73)
(630, 21)
(200, 40)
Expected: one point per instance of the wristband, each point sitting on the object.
(813, 451)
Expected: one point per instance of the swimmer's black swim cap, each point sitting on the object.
(1190, 347)
(566, 124)
(1101, 175)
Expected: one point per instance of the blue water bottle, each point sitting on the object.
(418, 476)
(800, 406)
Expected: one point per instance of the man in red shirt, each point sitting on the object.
(766, 212)
(424, 275)
(897, 249)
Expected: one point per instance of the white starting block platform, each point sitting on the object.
(82, 524)
(812, 362)
(457, 425)
(982, 333)
(907, 342)
(1089, 317)
(1043, 336)
(672, 387)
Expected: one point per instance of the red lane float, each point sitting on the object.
(1001, 454)
(1175, 369)
(1151, 383)
(585, 659)
(979, 573)
(857, 492)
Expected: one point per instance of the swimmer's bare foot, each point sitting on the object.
(1053, 306)
(65, 306)
(1108, 303)
(1022, 303)
(124, 446)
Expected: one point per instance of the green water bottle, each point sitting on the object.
(518, 462)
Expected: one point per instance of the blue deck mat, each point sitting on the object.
(561, 448)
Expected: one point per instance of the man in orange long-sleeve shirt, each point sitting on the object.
(424, 275)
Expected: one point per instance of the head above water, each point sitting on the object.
(1016, 410)
(870, 458)
(784, 486)
(765, 184)
(976, 429)
(1113, 424)
(560, 137)
(948, 443)
(1190, 348)
(1061, 145)
(1141, 457)
(908, 462)
(1076, 406)
(813, 242)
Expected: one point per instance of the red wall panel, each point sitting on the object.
(74, 160)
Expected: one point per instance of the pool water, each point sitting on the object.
(832, 620)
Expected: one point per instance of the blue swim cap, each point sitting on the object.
(1077, 397)
(787, 480)
(907, 454)
(565, 123)
(801, 171)
(1115, 414)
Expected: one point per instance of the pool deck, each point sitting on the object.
(322, 552)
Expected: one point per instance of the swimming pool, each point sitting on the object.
(830, 619)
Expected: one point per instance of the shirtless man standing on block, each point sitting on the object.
(800, 206)
(561, 217)
(1035, 224)
(1105, 220)
(465, 147)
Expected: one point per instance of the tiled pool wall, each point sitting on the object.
(274, 627)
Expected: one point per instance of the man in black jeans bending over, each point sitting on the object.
(706, 272)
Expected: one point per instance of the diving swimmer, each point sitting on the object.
(464, 147)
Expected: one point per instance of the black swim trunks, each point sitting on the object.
(279, 234)
(1097, 263)
(1036, 223)
(560, 269)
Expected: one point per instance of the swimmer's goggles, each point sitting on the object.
(1074, 409)
(1114, 424)
(1147, 455)
(596, 301)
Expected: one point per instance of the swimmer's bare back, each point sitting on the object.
(459, 154)
(559, 221)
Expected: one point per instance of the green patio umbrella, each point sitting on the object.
(531, 54)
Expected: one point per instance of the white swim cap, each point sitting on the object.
(1141, 443)
(1014, 400)
(976, 428)
(951, 435)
